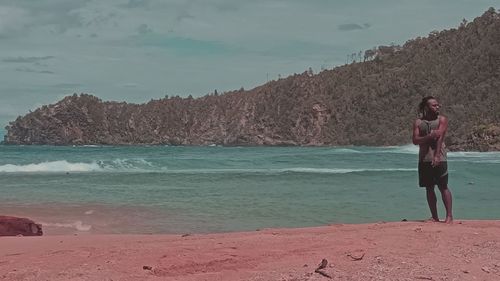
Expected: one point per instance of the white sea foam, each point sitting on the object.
(404, 149)
(287, 170)
(487, 161)
(345, 150)
(475, 157)
(53, 166)
(143, 166)
(345, 171)
(63, 166)
(475, 154)
(78, 225)
(127, 165)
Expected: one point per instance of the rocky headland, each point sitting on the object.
(363, 103)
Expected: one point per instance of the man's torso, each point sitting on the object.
(427, 151)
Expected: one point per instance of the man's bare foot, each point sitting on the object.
(449, 220)
(432, 220)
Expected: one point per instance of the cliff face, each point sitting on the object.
(368, 103)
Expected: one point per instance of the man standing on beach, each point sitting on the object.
(428, 133)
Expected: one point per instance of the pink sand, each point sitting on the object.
(466, 250)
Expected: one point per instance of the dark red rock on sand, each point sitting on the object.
(13, 226)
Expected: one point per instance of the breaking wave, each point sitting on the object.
(475, 157)
(345, 171)
(286, 171)
(404, 149)
(53, 166)
(143, 166)
(77, 225)
(63, 166)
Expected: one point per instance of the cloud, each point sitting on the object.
(30, 70)
(27, 59)
(231, 6)
(180, 45)
(184, 15)
(12, 20)
(353, 26)
(129, 85)
(58, 15)
(97, 18)
(296, 49)
(143, 29)
(67, 85)
(8, 110)
(39, 64)
(220, 44)
(136, 4)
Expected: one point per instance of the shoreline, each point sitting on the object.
(465, 250)
(450, 148)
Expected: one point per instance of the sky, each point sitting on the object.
(138, 50)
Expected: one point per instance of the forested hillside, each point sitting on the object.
(364, 103)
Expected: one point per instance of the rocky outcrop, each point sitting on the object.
(482, 138)
(368, 103)
(14, 226)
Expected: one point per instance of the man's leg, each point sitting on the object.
(432, 201)
(447, 201)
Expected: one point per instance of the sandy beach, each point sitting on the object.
(466, 250)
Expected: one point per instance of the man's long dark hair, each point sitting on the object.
(423, 104)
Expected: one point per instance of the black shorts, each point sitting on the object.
(429, 176)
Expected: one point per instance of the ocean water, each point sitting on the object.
(175, 189)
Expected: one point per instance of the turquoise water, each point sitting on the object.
(165, 189)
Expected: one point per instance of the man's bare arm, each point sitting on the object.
(441, 131)
(417, 139)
